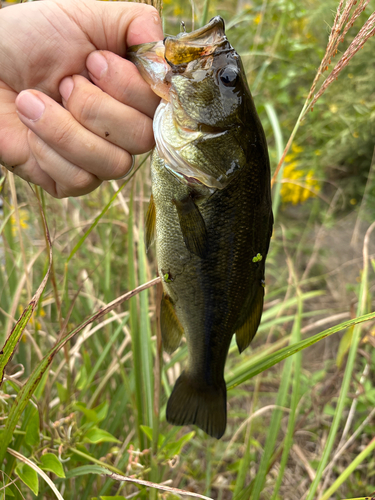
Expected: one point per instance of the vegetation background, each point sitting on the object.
(84, 399)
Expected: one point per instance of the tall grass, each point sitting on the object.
(85, 383)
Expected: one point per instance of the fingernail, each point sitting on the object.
(30, 106)
(97, 64)
(66, 87)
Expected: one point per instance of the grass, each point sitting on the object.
(85, 383)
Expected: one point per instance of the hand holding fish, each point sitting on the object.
(107, 107)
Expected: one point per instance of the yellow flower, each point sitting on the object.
(177, 11)
(296, 149)
(24, 217)
(301, 184)
(366, 338)
(258, 18)
(333, 108)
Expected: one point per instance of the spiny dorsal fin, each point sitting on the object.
(246, 332)
(150, 223)
(192, 226)
(171, 329)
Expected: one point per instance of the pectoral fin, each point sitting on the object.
(251, 319)
(192, 226)
(171, 329)
(150, 223)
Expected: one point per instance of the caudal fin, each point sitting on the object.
(203, 406)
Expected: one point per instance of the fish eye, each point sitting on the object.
(228, 76)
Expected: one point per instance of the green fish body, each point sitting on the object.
(210, 212)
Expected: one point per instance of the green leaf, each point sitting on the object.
(266, 362)
(86, 469)
(9, 492)
(96, 435)
(344, 346)
(62, 392)
(147, 431)
(102, 410)
(175, 448)
(32, 432)
(81, 378)
(90, 414)
(28, 476)
(50, 463)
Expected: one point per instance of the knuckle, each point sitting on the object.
(37, 146)
(80, 183)
(129, 84)
(144, 136)
(64, 134)
(120, 166)
(86, 106)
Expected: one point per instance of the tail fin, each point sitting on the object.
(202, 405)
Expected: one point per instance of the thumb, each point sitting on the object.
(121, 24)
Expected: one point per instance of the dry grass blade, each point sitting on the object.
(343, 22)
(118, 477)
(339, 29)
(38, 470)
(366, 32)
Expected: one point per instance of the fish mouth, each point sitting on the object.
(187, 47)
(156, 61)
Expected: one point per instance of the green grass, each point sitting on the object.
(85, 386)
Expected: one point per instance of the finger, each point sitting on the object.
(125, 24)
(59, 130)
(121, 79)
(17, 156)
(106, 117)
(30, 171)
(67, 179)
(14, 149)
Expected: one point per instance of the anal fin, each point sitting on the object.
(250, 321)
(192, 225)
(171, 329)
(150, 229)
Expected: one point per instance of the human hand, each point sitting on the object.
(68, 150)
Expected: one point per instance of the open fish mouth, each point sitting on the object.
(156, 60)
(163, 65)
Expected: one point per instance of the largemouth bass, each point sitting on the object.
(210, 211)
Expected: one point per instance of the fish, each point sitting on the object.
(210, 212)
